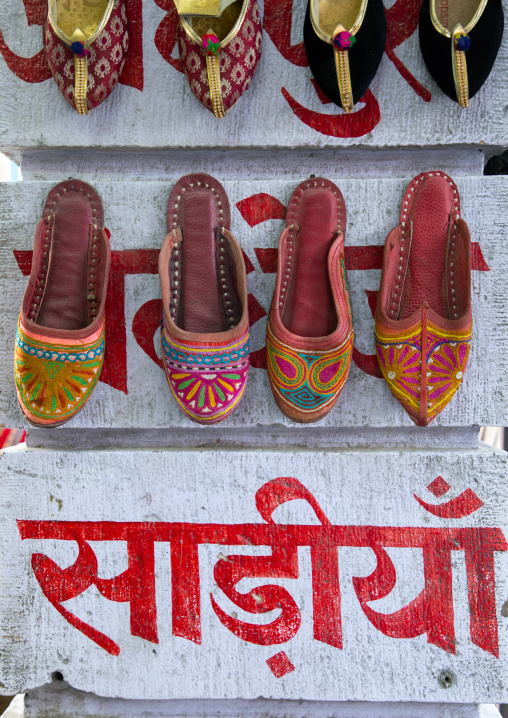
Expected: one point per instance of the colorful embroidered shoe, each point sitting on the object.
(344, 42)
(423, 315)
(205, 324)
(310, 328)
(60, 341)
(459, 40)
(220, 54)
(86, 45)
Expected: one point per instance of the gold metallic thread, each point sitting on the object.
(344, 79)
(460, 70)
(81, 81)
(212, 67)
(460, 74)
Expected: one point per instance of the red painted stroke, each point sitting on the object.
(249, 267)
(277, 23)
(354, 124)
(260, 207)
(427, 613)
(372, 300)
(28, 69)
(145, 324)
(35, 11)
(402, 21)
(132, 73)
(267, 258)
(280, 665)
(477, 259)
(256, 311)
(257, 358)
(368, 363)
(461, 506)
(411, 80)
(166, 35)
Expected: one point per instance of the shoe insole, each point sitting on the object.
(424, 281)
(309, 309)
(222, 25)
(201, 308)
(64, 304)
(202, 7)
(84, 15)
(451, 13)
(330, 13)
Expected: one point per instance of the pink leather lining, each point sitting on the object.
(199, 206)
(427, 257)
(314, 313)
(60, 285)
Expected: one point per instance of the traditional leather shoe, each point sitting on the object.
(220, 54)
(205, 324)
(60, 341)
(310, 328)
(423, 315)
(459, 40)
(344, 42)
(86, 45)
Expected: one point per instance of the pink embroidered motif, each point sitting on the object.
(237, 61)
(207, 381)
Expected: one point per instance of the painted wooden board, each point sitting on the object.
(348, 575)
(281, 108)
(134, 392)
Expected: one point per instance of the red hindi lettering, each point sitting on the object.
(283, 563)
(430, 613)
(136, 585)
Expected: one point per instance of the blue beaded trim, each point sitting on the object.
(57, 356)
(213, 360)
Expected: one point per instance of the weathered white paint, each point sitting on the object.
(246, 164)
(213, 437)
(166, 114)
(353, 487)
(58, 699)
(135, 212)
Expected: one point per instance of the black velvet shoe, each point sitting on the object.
(460, 40)
(344, 42)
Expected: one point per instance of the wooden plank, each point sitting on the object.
(439, 543)
(137, 394)
(404, 108)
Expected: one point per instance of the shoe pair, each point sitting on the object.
(60, 342)
(345, 41)
(423, 315)
(87, 41)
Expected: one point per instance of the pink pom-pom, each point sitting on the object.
(344, 40)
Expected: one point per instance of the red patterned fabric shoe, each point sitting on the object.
(220, 55)
(423, 315)
(86, 46)
(60, 341)
(205, 325)
(310, 328)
